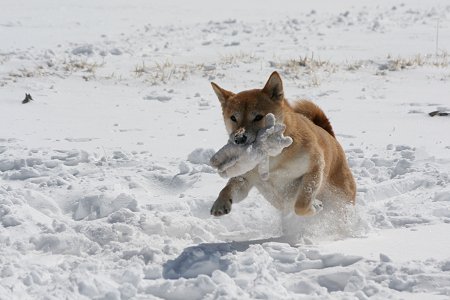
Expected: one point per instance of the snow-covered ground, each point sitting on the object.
(105, 189)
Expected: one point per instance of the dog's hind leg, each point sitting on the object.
(306, 204)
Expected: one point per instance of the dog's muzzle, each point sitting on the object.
(240, 136)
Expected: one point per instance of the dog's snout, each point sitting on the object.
(240, 139)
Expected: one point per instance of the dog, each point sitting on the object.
(311, 171)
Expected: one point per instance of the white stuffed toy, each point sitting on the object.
(234, 160)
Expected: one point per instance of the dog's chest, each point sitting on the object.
(284, 179)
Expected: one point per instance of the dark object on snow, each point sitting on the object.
(27, 99)
(438, 113)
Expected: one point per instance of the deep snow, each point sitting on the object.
(105, 187)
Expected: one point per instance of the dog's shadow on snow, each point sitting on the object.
(208, 257)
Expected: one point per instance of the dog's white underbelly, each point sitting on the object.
(282, 187)
(281, 195)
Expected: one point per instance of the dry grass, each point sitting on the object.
(23, 72)
(355, 65)
(304, 63)
(167, 71)
(306, 71)
(237, 58)
(402, 63)
(308, 68)
(140, 70)
(440, 60)
(67, 66)
(163, 73)
(81, 65)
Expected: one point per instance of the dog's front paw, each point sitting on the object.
(221, 207)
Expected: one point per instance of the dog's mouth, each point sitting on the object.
(242, 138)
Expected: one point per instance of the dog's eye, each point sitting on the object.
(258, 118)
(233, 118)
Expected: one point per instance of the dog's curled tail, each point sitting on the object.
(314, 113)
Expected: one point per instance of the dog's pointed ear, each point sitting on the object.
(222, 94)
(274, 87)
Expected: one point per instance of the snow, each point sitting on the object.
(105, 186)
(392, 243)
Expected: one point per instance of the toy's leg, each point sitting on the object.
(235, 191)
(226, 156)
(263, 169)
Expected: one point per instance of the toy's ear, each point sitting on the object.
(222, 94)
(274, 87)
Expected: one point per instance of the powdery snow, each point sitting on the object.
(105, 186)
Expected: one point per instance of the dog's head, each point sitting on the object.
(244, 112)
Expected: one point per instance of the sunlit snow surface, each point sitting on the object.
(105, 187)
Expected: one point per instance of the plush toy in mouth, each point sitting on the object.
(237, 159)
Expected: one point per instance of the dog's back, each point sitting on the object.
(314, 113)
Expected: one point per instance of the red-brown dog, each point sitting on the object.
(307, 172)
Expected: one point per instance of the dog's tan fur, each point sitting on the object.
(311, 168)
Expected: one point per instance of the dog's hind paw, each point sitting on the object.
(310, 209)
(317, 205)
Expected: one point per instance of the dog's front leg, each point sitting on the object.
(235, 191)
(306, 204)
